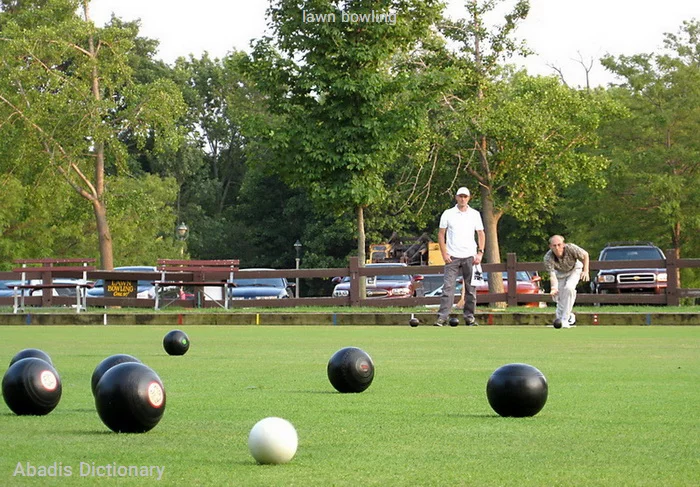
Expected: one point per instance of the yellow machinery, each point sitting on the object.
(420, 251)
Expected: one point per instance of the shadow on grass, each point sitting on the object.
(312, 392)
(91, 432)
(471, 415)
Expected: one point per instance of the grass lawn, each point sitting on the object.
(623, 407)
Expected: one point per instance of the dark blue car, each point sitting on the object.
(261, 288)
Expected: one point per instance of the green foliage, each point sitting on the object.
(535, 129)
(133, 201)
(341, 105)
(71, 109)
(653, 183)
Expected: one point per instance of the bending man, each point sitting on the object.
(567, 264)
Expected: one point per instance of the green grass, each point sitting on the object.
(622, 408)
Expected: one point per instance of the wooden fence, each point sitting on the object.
(671, 297)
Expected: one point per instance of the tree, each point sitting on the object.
(68, 92)
(341, 108)
(519, 138)
(659, 142)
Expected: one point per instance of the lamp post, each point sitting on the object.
(297, 247)
(181, 233)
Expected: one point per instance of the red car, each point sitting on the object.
(527, 283)
(389, 286)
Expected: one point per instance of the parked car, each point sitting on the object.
(261, 287)
(7, 288)
(527, 283)
(431, 282)
(145, 289)
(635, 280)
(388, 286)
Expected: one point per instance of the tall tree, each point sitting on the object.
(517, 137)
(341, 107)
(68, 89)
(658, 144)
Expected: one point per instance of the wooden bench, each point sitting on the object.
(199, 274)
(47, 270)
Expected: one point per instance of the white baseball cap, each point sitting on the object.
(463, 190)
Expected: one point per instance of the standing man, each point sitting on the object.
(567, 264)
(460, 253)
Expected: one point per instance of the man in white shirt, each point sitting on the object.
(460, 251)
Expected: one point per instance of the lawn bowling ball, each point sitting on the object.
(414, 322)
(176, 342)
(517, 390)
(454, 321)
(31, 386)
(556, 323)
(273, 441)
(107, 364)
(130, 398)
(31, 352)
(350, 370)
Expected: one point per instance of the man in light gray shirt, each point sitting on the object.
(567, 264)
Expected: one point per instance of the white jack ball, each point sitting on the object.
(273, 441)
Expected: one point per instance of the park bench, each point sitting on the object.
(47, 270)
(200, 274)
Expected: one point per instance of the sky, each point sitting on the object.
(563, 33)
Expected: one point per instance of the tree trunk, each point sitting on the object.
(492, 252)
(104, 235)
(676, 239)
(361, 246)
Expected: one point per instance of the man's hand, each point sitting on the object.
(585, 277)
(477, 258)
(446, 258)
(554, 292)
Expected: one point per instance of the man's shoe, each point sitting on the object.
(572, 320)
(440, 322)
(470, 321)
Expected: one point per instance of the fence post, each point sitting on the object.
(672, 298)
(47, 293)
(355, 281)
(511, 264)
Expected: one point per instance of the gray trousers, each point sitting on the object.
(452, 270)
(566, 298)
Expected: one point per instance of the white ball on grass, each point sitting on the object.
(273, 441)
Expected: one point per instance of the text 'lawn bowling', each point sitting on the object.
(350, 370)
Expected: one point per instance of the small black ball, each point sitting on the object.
(556, 323)
(517, 390)
(130, 398)
(350, 370)
(414, 322)
(454, 321)
(107, 364)
(176, 342)
(31, 352)
(31, 386)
